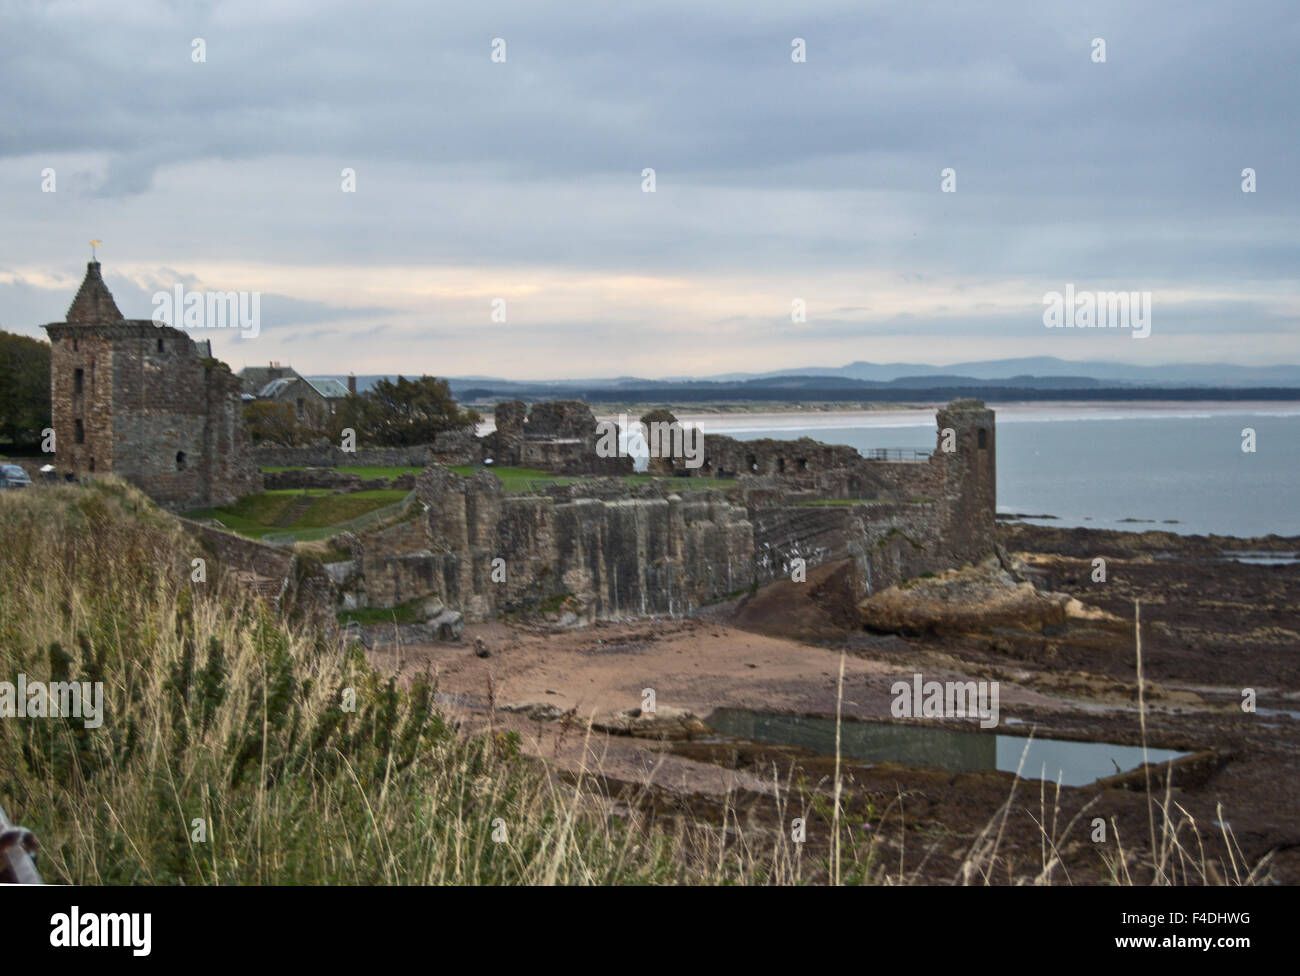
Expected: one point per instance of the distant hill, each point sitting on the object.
(1039, 367)
(1037, 377)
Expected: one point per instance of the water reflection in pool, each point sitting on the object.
(1076, 763)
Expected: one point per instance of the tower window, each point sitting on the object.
(160, 345)
(74, 345)
(78, 432)
(92, 462)
(983, 439)
(180, 460)
(78, 380)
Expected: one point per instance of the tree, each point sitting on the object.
(405, 412)
(277, 423)
(24, 388)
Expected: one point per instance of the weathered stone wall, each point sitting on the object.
(342, 481)
(152, 409)
(240, 553)
(970, 483)
(505, 444)
(635, 553)
(396, 564)
(887, 541)
(656, 553)
(555, 435)
(407, 536)
(390, 580)
(726, 457)
(559, 418)
(298, 588)
(452, 447)
(558, 436)
(954, 489)
(144, 401)
(90, 353)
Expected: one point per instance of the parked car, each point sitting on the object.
(12, 476)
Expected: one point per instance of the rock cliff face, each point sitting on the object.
(625, 554)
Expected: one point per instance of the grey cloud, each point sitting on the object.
(1066, 170)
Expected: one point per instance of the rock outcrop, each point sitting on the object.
(976, 600)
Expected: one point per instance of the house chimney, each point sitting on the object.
(352, 384)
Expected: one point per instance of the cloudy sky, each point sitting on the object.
(775, 180)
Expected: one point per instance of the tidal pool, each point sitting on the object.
(1075, 763)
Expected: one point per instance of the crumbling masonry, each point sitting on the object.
(145, 402)
(607, 550)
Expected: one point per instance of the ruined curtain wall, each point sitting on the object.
(449, 447)
(614, 557)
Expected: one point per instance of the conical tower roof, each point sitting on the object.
(94, 302)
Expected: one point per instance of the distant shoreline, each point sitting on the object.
(758, 415)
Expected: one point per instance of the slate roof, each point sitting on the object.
(255, 377)
(271, 390)
(328, 387)
(266, 382)
(94, 302)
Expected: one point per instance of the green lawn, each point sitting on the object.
(256, 515)
(515, 479)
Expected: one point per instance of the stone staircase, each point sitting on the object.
(295, 511)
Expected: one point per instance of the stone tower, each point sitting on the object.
(509, 416)
(970, 477)
(145, 402)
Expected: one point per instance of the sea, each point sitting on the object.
(1179, 467)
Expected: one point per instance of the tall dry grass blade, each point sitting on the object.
(839, 781)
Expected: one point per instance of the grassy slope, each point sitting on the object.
(215, 712)
(256, 515)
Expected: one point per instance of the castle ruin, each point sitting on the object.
(144, 401)
(615, 549)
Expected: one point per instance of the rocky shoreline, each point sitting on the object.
(1212, 631)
